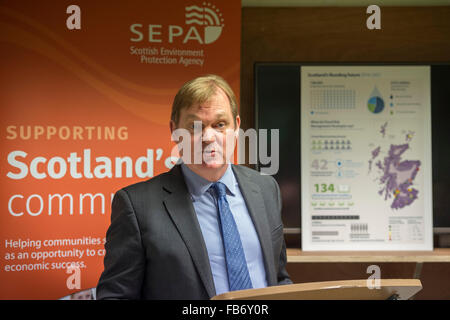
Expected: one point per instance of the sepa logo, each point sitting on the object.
(207, 16)
(203, 25)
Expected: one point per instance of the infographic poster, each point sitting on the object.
(366, 158)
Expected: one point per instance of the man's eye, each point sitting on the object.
(192, 125)
(221, 125)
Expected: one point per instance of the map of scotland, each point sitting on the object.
(394, 174)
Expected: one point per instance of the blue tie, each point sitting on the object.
(238, 275)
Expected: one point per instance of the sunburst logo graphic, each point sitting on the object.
(207, 16)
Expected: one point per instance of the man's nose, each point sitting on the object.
(208, 135)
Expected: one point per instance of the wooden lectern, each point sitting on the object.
(395, 289)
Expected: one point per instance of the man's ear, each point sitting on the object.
(238, 123)
(173, 126)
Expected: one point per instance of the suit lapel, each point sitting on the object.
(255, 205)
(179, 206)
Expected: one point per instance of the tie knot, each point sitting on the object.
(220, 188)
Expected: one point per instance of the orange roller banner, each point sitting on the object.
(86, 89)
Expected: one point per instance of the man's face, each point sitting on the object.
(82, 295)
(212, 131)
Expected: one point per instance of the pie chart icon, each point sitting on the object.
(375, 104)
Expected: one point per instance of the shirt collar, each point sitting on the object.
(198, 185)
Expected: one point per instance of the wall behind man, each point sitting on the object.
(339, 34)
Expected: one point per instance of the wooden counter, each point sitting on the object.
(437, 255)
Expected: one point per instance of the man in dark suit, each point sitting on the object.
(203, 228)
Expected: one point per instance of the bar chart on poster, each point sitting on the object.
(366, 158)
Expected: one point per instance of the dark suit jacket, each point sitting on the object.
(155, 248)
